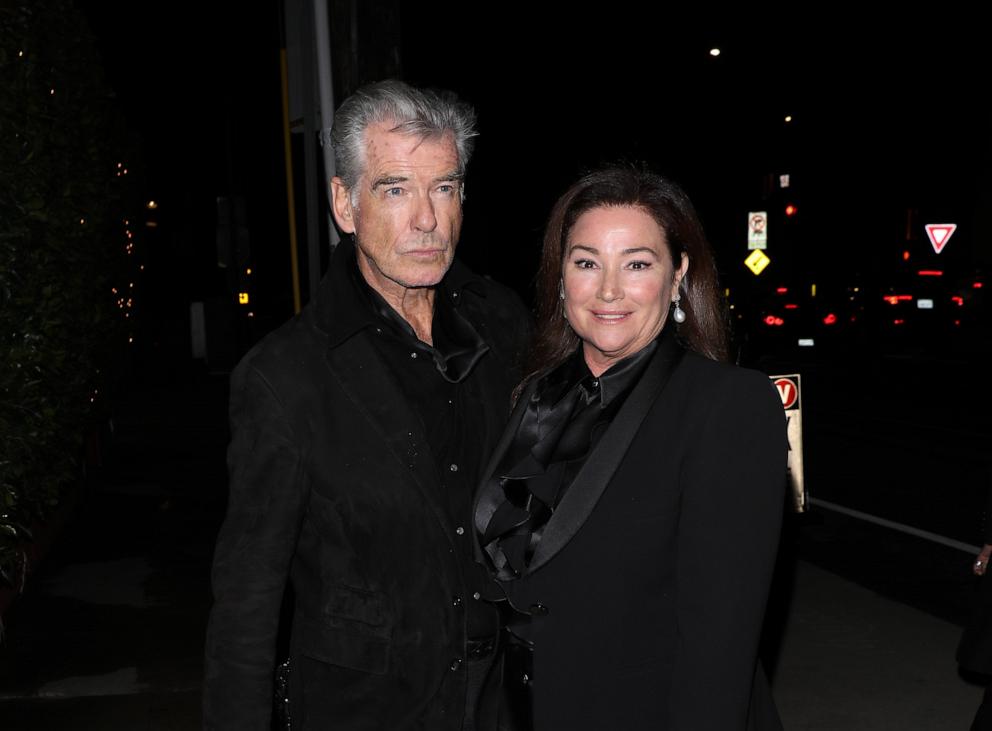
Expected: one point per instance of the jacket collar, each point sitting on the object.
(599, 467)
(342, 309)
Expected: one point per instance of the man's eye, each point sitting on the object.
(393, 192)
(447, 188)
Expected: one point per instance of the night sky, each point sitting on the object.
(887, 117)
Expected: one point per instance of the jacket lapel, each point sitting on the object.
(602, 463)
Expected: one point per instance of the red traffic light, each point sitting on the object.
(791, 210)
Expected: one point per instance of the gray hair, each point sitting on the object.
(420, 113)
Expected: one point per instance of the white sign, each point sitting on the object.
(939, 234)
(805, 342)
(788, 389)
(783, 181)
(922, 304)
(757, 230)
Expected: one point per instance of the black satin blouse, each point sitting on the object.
(567, 414)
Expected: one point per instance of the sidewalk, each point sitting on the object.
(852, 659)
(849, 660)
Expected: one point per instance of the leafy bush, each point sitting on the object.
(62, 251)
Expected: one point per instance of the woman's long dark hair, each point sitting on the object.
(704, 330)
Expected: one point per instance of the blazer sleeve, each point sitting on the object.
(253, 556)
(733, 481)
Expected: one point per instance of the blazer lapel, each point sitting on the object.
(596, 473)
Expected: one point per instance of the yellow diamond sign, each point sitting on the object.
(757, 261)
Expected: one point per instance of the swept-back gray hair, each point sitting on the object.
(420, 113)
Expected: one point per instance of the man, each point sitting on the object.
(358, 431)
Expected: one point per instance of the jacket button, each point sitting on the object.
(456, 601)
(538, 610)
(476, 595)
(460, 531)
(456, 663)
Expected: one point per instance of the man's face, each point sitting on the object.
(407, 212)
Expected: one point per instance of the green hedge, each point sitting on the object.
(63, 204)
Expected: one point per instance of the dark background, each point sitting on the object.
(888, 131)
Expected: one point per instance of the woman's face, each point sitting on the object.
(619, 282)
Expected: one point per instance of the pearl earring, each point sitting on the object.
(561, 290)
(678, 314)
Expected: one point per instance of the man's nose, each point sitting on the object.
(424, 217)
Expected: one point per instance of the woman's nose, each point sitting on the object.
(609, 286)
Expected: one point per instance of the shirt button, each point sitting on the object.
(453, 467)
(460, 531)
(456, 663)
(476, 595)
(456, 601)
(595, 384)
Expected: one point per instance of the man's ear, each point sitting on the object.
(344, 212)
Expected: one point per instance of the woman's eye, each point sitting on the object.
(639, 265)
(584, 264)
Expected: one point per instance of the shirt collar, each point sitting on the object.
(356, 305)
(574, 373)
(342, 305)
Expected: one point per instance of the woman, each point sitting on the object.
(631, 511)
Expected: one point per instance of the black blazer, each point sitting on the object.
(654, 569)
(333, 488)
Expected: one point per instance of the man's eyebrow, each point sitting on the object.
(452, 177)
(388, 180)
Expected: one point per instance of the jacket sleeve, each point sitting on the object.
(253, 555)
(732, 498)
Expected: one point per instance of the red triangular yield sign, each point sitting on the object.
(939, 234)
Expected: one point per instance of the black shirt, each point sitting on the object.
(438, 383)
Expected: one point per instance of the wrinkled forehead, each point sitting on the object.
(409, 143)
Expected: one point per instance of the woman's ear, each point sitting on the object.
(681, 271)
